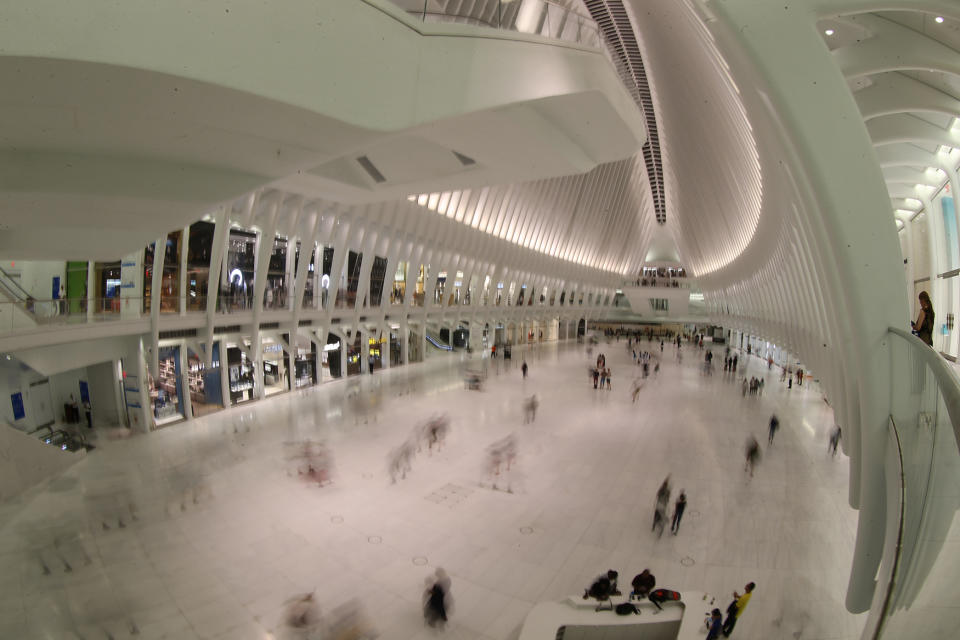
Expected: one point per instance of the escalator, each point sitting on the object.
(438, 343)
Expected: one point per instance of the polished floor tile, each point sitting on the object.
(207, 529)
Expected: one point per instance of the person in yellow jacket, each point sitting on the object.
(736, 608)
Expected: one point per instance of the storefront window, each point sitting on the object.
(399, 284)
(348, 297)
(378, 273)
(204, 383)
(166, 390)
(325, 275)
(310, 284)
(306, 366)
(237, 280)
(330, 358)
(169, 283)
(275, 293)
(198, 264)
(107, 281)
(240, 370)
(275, 378)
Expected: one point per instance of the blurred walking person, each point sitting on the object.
(678, 509)
(752, 454)
(774, 426)
(834, 440)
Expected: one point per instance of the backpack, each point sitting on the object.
(626, 608)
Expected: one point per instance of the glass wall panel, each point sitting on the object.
(238, 271)
(204, 383)
(107, 281)
(399, 284)
(166, 390)
(377, 276)
(240, 370)
(200, 246)
(275, 293)
(943, 203)
(276, 377)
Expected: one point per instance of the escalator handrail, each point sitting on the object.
(18, 292)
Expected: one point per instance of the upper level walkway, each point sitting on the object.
(158, 130)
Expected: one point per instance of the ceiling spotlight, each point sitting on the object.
(938, 19)
(829, 32)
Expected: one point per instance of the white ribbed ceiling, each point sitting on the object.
(711, 167)
(601, 219)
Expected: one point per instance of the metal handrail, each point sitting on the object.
(947, 379)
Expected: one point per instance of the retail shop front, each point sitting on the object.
(166, 390)
(204, 383)
(275, 375)
(241, 378)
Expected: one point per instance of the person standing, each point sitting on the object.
(523, 368)
(88, 410)
(774, 425)
(678, 509)
(715, 625)
(923, 327)
(735, 610)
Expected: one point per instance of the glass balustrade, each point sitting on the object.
(916, 585)
(538, 17)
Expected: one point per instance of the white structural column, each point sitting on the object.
(221, 237)
(92, 290)
(185, 382)
(824, 150)
(156, 283)
(261, 266)
(184, 251)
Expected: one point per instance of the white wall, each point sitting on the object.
(62, 385)
(103, 391)
(37, 276)
(29, 461)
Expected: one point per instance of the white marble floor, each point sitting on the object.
(201, 531)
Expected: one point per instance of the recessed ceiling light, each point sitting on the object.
(829, 32)
(938, 19)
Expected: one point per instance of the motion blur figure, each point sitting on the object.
(660, 511)
(349, 622)
(752, 454)
(301, 617)
(530, 409)
(399, 462)
(500, 458)
(316, 463)
(437, 601)
(435, 432)
(834, 440)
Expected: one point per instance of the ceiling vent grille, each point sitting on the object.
(371, 169)
(614, 23)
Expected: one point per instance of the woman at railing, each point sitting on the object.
(923, 327)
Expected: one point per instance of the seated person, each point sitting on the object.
(662, 595)
(643, 584)
(603, 587)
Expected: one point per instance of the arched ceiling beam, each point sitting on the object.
(903, 155)
(905, 128)
(837, 8)
(894, 48)
(897, 93)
